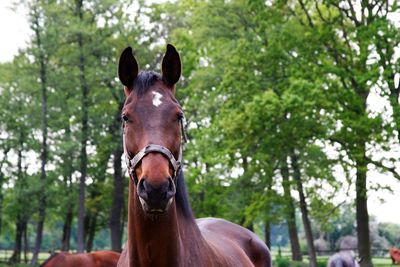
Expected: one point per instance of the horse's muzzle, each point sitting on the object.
(156, 199)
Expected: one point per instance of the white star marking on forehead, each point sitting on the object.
(157, 98)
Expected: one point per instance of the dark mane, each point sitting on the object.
(144, 81)
(48, 259)
(181, 196)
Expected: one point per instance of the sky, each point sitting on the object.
(15, 33)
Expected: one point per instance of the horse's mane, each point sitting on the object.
(144, 81)
(48, 259)
(181, 196)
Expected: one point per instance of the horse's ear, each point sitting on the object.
(171, 66)
(127, 68)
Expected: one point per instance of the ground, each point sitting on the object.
(378, 262)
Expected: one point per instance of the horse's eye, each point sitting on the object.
(124, 118)
(180, 116)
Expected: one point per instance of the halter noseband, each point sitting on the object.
(132, 163)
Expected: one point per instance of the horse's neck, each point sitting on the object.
(164, 240)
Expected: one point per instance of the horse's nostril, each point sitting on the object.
(142, 189)
(147, 187)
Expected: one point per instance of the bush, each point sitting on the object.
(297, 264)
(322, 263)
(282, 262)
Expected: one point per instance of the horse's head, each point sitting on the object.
(152, 120)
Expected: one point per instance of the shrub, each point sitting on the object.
(322, 263)
(282, 262)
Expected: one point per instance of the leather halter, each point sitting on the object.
(132, 163)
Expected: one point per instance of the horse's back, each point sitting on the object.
(94, 259)
(105, 258)
(395, 255)
(342, 259)
(65, 259)
(234, 237)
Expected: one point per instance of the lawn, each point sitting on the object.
(6, 254)
(284, 262)
(322, 261)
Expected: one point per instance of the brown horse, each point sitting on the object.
(162, 230)
(93, 259)
(342, 259)
(395, 255)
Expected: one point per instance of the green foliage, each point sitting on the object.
(391, 232)
(261, 81)
(105, 33)
(282, 262)
(322, 262)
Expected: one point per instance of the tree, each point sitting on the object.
(18, 98)
(252, 99)
(347, 33)
(42, 61)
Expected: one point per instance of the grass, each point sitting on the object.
(382, 262)
(6, 254)
(284, 261)
(322, 261)
(14, 265)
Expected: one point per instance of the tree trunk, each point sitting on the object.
(290, 213)
(68, 184)
(267, 234)
(268, 208)
(250, 227)
(124, 219)
(19, 225)
(118, 201)
(19, 229)
(5, 152)
(84, 137)
(364, 243)
(1, 198)
(304, 211)
(26, 243)
(43, 156)
(66, 237)
(91, 230)
(117, 208)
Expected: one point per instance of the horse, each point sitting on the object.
(162, 230)
(93, 259)
(395, 255)
(342, 259)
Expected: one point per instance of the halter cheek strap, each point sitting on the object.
(132, 163)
